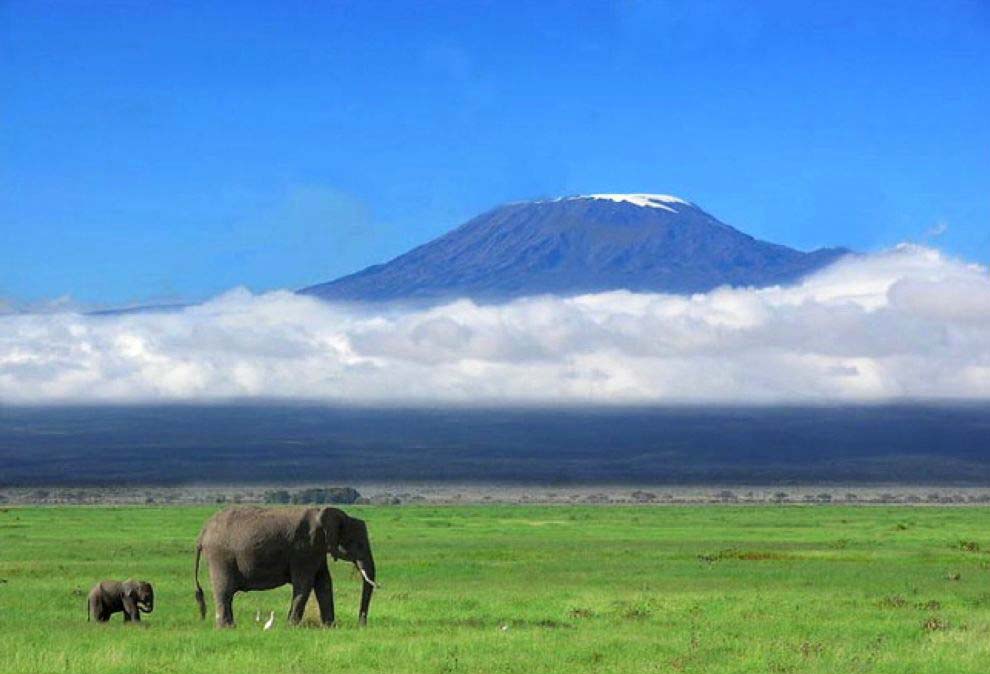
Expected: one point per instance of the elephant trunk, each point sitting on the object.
(367, 569)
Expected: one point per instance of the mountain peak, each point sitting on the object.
(576, 245)
(663, 201)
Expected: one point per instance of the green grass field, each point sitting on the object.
(530, 589)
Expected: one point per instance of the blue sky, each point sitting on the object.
(154, 151)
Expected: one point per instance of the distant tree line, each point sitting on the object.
(313, 495)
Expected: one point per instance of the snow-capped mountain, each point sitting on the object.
(581, 244)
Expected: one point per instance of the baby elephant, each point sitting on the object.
(133, 597)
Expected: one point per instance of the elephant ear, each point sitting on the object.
(332, 522)
(128, 597)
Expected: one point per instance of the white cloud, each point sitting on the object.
(937, 230)
(908, 323)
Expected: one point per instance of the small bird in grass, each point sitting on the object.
(257, 616)
(270, 621)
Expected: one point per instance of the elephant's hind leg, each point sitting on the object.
(224, 602)
(323, 587)
(97, 611)
(223, 596)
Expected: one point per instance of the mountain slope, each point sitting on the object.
(639, 242)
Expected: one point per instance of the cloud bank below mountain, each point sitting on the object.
(909, 323)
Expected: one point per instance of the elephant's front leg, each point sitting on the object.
(302, 586)
(324, 594)
(131, 613)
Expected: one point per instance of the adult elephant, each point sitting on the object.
(263, 548)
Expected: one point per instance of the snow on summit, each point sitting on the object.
(644, 200)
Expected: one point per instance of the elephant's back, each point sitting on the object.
(236, 527)
(106, 587)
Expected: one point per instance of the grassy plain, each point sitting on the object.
(530, 589)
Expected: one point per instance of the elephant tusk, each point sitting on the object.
(365, 576)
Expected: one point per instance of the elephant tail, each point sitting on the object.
(199, 589)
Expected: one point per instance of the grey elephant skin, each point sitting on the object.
(130, 597)
(251, 549)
